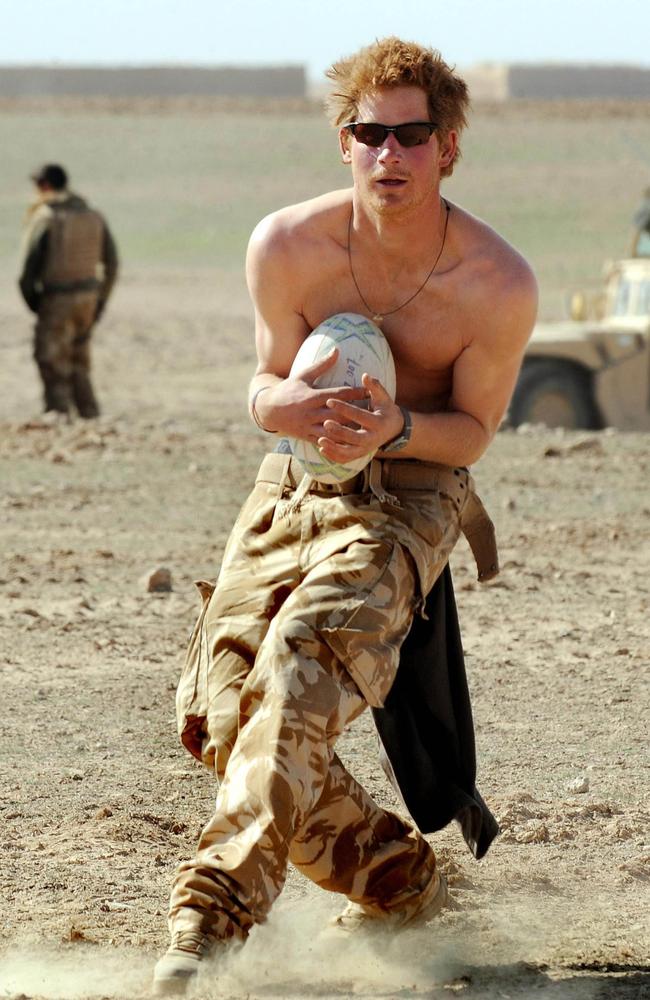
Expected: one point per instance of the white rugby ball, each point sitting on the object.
(362, 348)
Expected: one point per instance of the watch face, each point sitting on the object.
(395, 444)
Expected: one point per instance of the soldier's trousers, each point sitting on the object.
(62, 351)
(302, 632)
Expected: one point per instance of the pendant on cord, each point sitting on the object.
(377, 318)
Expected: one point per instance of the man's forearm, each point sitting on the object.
(259, 384)
(31, 270)
(453, 438)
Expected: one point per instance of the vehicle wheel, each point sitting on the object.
(554, 394)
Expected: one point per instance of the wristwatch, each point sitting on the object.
(404, 436)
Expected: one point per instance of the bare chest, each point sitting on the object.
(426, 335)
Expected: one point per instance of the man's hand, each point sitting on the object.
(351, 432)
(293, 407)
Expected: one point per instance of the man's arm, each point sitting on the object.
(110, 264)
(484, 378)
(277, 274)
(33, 256)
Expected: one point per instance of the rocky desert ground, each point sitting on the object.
(99, 802)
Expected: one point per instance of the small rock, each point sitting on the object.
(59, 456)
(534, 832)
(579, 785)
(159, 581)
(586, 444)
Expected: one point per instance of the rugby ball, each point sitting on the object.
(362, 348)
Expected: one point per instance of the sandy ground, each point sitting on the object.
(99, 802)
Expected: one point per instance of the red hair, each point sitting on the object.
(390, 62)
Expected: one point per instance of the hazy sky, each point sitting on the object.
(315, 32)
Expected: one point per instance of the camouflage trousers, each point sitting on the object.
(62, 351)
(301, 633)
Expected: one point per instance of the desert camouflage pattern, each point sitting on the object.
(302, 632)
(62, 351)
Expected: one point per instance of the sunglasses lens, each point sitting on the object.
(412, 135)
(374, 134)
(369, 134)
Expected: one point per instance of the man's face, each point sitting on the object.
(392, 179)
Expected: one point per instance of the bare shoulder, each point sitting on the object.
(498, 282)
(297, 241)
(295, 231)
(496, 265)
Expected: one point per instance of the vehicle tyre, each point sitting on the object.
(555, 394)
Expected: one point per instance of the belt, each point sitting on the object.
(404, 474)
(70, 287)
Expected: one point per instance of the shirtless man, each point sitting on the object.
(314, 599)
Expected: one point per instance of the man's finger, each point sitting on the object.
(343, 392)
(312, 372)
(337, 451)
(378, 394)
(340, 433)
(349, 413)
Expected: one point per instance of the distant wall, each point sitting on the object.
(487, 81)
(553, 82)
(153, 81)
(549, 81)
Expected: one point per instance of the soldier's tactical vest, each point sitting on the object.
(75, 236)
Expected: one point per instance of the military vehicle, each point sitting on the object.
(592, 373)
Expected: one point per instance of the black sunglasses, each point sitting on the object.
(409, 134)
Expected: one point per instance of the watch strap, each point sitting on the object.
(402, 439)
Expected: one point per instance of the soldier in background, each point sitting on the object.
(68, 268)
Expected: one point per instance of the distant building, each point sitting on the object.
(557, 81)
(153, 81)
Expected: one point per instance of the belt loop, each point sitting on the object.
(284, 475)
(376, 486)
(299, 495)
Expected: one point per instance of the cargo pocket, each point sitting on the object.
(433, 524)
(367, 630)
(192, 691)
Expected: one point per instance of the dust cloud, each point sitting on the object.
(297, 955)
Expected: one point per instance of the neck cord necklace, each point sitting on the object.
(379, 317)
